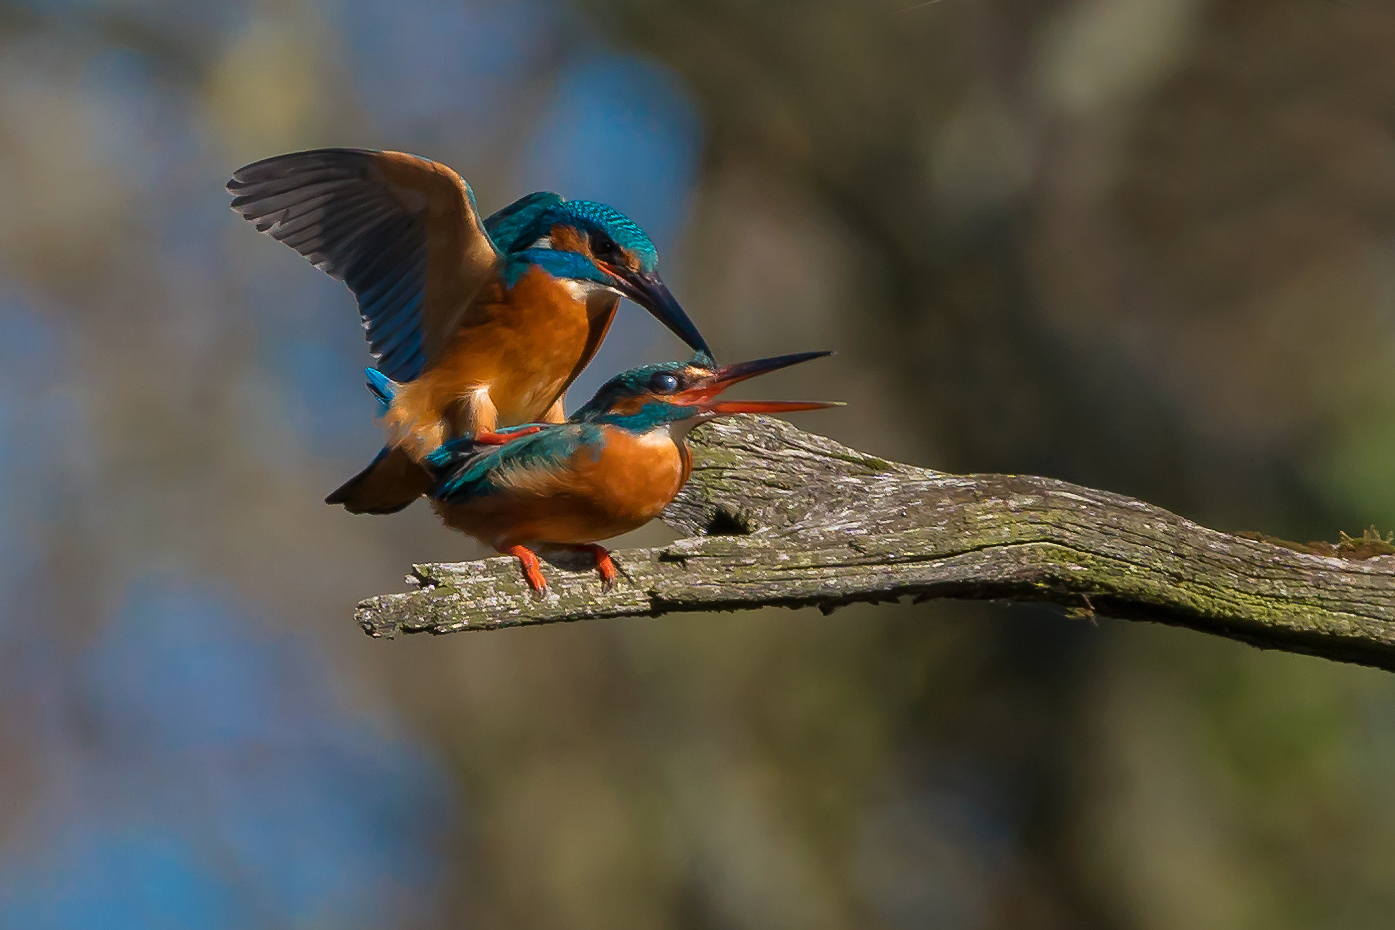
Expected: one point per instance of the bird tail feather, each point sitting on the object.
(391, 482)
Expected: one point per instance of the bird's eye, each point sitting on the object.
(603, 246)
(663, 383)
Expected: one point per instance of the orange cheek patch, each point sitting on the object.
(627, 406)
(568, 239)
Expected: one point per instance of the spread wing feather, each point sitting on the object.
(401, 231)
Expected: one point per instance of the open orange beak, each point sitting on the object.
(703, 395)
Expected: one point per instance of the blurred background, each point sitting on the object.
(1146, 245)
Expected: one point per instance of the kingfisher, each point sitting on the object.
(611, 468)
(481, 323)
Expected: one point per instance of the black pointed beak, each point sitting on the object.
(703, 395)
(728, 375)
(650, 292)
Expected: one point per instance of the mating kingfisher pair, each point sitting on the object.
(478, 327)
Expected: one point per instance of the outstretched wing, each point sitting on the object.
(401, 231)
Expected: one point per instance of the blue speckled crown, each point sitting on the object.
(618, 226)
(527, 219)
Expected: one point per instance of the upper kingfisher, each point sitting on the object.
(483, 322)
(611, 468)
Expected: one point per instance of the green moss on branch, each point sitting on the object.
(781, 517)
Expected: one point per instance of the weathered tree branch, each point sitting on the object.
(781, 517)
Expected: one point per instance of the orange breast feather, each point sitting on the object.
(509, 361)
(594, 497)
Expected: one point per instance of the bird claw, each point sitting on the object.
(605, 567)
(603, 564)
(532, 571)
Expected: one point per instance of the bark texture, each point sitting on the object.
(777, 516)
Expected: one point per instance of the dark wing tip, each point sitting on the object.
(280, 166)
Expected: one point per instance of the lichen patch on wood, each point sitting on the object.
(777, 516)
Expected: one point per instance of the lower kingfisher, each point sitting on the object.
(611, 468)
(484, 323)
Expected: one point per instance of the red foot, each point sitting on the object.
(491, 438)
(603, 564)
(532, 571)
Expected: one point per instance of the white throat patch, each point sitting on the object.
(671, 432)
(581, 290)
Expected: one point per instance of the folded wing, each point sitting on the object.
(464, 471)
